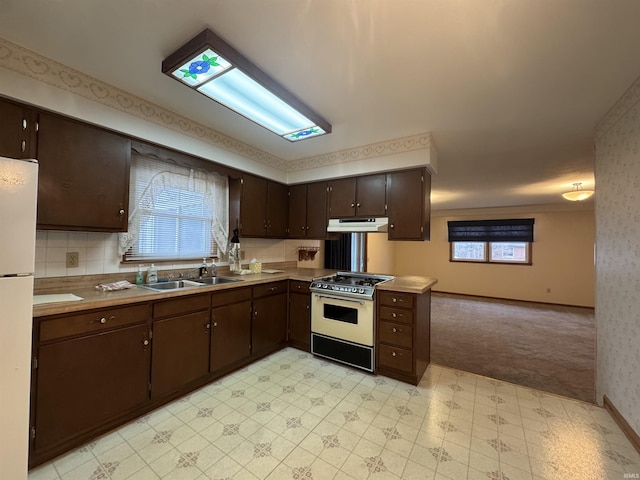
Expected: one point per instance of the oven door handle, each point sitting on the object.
(359, 302)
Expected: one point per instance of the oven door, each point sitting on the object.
(345, 318)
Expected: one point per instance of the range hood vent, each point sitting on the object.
(358, 225)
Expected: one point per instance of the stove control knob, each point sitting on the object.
(361, 290)
(354, 289)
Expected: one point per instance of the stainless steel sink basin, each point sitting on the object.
(217, 280)
(172, 285)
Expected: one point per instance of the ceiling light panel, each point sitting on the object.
(212, 67)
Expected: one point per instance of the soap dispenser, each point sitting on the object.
(204, 271)
(139, 276)
(152, 274)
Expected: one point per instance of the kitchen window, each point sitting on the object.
(176, 212)
(491, 241)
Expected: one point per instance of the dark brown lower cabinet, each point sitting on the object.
(87, 381)
(269, 322)
(180, 353)
(300, 315)
(231, 328)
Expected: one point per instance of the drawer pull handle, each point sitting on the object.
(394, 330)
(215, 324)
(145, 342)
(103, 320)
(393, 354)
(394, 314)
(394, 299)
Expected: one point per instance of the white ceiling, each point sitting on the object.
(510, 89)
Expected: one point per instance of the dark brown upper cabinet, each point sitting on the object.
(358, 196)
(83, 182)
(18, 127)
(308, 210)
(409, 204)
(264, 207)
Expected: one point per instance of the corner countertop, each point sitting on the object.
(92, 298)
(408, 284)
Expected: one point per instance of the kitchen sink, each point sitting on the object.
(171, 285)
(217, 280)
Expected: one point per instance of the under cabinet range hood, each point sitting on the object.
(345, 225)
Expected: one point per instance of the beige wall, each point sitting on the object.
(563, 257)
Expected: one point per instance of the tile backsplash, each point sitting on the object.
(98, 253)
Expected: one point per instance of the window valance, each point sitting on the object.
(512, 230)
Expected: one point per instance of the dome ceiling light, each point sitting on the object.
(577, 194)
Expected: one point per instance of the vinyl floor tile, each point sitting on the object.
(294, 416)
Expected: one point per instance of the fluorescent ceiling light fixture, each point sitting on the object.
(214, 68)
(577, 194)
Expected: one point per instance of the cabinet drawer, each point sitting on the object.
(269, 289)
(397, 358)
(92, 322)
(396, 315)
(395, 299)
(186, 304)
(298, 286)
(395, 334)
(227, 297)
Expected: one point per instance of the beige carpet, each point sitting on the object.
(548, 347)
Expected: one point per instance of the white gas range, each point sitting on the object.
(343, 318)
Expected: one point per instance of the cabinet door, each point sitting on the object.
(342, 198)
(297, 211)
(84, 176)
(17, 131)
(269, 323)
(408, 195)
(371, 196)
(180, 351)
(253, 207)
(317, 210)
(86, 381)
(230, 334)
(277, 209)
(300, 320)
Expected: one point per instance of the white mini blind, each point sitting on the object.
(175, 212)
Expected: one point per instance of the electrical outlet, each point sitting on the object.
(73, 259)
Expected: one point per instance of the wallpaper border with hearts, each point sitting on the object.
(41, 68)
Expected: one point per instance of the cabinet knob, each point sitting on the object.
(393, 354)
(308, 227)
(24, 124)
(103, 320)
(353, 205)
(302, 227)
(145, 342)
(394, 314)
(358, 204)
(215, 324)
(394, 300)
(207, 326)
(121, 212)
(392, 226)
(23, 146)
(394, 330)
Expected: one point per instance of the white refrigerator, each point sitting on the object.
(18, 192)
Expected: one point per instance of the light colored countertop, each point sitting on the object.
(92, 298)
(408, 284)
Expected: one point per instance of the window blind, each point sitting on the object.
(512, 230)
